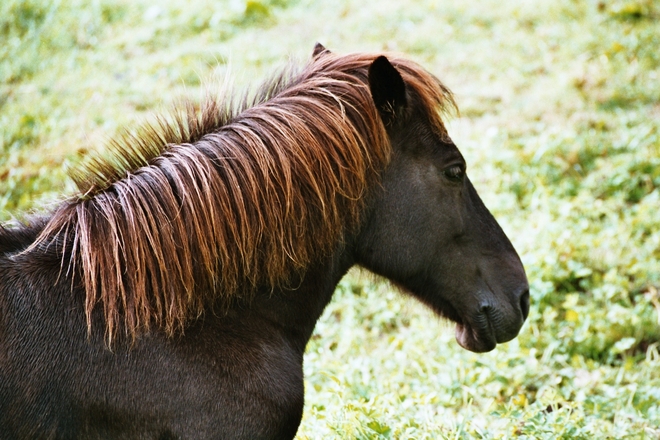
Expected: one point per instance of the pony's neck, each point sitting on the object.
(296, 310)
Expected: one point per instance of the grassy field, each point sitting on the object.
(560, 125)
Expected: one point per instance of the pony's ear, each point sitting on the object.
(318, 50)
(387, 89)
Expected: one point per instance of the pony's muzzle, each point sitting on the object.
(494, 323)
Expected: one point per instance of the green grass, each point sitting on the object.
(560, 127)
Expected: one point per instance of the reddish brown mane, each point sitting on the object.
(216, 202)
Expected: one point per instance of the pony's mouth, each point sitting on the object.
(480, 329)
(486, 329)
(476, 339)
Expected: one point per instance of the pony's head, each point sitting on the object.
(426, 228)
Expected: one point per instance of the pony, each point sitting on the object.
(173, 295)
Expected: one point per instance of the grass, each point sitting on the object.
(561, 129)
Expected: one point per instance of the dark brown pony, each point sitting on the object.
(174, 295)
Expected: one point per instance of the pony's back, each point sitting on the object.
(18, 238)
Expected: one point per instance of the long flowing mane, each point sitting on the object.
(212, 202)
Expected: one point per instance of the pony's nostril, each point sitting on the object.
(524, 304)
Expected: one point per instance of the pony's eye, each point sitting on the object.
(455, 173)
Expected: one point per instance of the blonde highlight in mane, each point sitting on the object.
(211, 203)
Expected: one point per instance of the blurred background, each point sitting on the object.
(560, 126)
